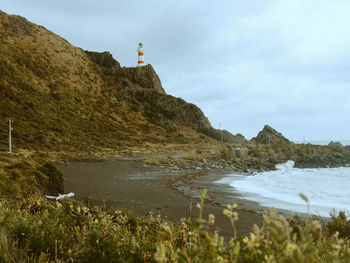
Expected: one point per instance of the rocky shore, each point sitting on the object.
(142, 188)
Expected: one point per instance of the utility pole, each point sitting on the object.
(190, 202)
(10, 120)
(304, 139)
(220, 134)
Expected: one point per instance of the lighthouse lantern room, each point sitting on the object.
(141, 60)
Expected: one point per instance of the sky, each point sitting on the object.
(244, 63)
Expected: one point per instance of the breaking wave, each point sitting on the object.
(326, 188)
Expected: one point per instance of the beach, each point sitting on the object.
(130, 184)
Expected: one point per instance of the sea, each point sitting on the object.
(327, 189)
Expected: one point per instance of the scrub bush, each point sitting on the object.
(40, 230)
(340, 224)
(277, 240)
(67, 231)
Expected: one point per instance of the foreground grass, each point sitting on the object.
(40, 230)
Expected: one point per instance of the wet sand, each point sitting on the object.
(129, 184)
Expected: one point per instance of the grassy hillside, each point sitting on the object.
(62, 99)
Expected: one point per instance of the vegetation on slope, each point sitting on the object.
(56, 97)
(24, 174)
(66, 99)
(38, 230)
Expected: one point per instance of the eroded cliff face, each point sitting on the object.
(103, 60)
(164, 109)
(143, 77)
(142, 88)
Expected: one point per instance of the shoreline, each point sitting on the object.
(130, 184)
(222, 194)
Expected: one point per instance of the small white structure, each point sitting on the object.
(59, 197)
(140, 61)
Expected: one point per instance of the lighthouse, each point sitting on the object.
(140, 61)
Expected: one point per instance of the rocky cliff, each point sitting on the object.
(269, 136)
(270, 147)
(64, 97)
(142, 88)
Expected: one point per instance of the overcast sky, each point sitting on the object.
(285, 63)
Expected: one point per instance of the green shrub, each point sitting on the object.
(135, 108)
(339, 224)
(227, 153)
(5, 186)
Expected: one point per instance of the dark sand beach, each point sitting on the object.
(129, 184)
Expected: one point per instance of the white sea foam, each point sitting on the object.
(326, 188)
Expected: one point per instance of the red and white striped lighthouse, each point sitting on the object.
(140, 61)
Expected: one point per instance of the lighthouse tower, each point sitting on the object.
(141, 60)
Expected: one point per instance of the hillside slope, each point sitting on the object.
(63, 97)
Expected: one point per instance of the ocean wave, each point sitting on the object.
(326, 188)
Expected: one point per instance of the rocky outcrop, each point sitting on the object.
(139, 77)
(270, 136)
(271, 147)
(165, 110)
(317, 156)
(15, 25)
(142, 88)
(104, 59)
(126, 78)
(322, 161)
